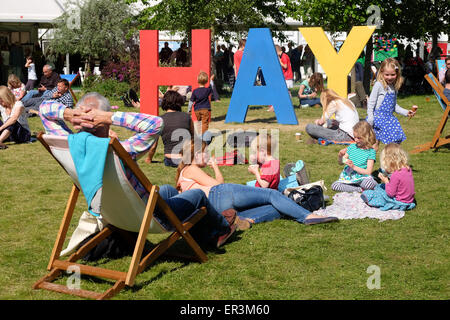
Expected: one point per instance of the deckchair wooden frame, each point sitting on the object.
(70, 87)
(138, 263)
(437, 141)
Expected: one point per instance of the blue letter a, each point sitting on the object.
(260, 52)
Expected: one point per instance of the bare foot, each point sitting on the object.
(147, 160)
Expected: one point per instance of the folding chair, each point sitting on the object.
(440, 68)
(71, 78)
(437, 141)
(123, 209)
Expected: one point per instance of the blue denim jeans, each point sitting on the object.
(310, 102)
(184, 204)
(261, 214)
(31, 93)
(242, 198)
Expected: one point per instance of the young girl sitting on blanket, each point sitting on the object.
(359, 159)
(397, 190)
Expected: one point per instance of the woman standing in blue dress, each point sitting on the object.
(383, 102)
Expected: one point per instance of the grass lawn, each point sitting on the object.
(276, 260)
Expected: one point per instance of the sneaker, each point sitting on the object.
(304, 106)
(223, 238)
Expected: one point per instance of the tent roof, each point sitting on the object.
(32, 11)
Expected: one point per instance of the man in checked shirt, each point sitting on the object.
(92, 114)
(60, 93)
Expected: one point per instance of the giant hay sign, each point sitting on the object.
(259, 53)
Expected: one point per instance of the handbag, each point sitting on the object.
(311, 199)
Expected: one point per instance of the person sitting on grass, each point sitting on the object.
(49, 80)
(92, 114)
(346, 117)
(397, 188)
(267, 168)
(14, 124)
(359, 159)
(16, 86)
(60, 93)
(190, 175)
(309, 91)
(177, 125)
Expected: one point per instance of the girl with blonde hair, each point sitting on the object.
(359, 159)
(383, 102)
(14, 124)
(346, 117)
(397, 179)
(16, 86)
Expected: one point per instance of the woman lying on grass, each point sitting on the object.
(240, 197)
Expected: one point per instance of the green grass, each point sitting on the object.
(276, 260)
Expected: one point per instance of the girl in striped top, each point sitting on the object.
(359, 159)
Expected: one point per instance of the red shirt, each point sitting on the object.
(237, 59)
(270, 172)
(287, 73)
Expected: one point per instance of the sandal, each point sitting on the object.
(3, 147)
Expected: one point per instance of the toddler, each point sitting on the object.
(267, 169)
(397, 190)
(200, 102)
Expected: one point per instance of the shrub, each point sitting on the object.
(124, 70)
(109, 88)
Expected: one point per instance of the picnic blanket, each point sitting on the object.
(349, 205)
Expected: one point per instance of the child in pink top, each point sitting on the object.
(400, 185)
(267, 169)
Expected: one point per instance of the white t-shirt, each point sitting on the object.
(32, 72)
(23, 119)
(347, 117)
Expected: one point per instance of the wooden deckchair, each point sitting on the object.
(122, 207)
(437, 141)
(71, 78)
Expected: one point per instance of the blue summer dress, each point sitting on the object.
(386, 126)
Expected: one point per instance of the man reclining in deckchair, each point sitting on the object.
(92, 114)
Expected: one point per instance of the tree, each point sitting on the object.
(412, 19)
(222, 17)
(102, 32)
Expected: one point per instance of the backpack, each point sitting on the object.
(311, 199)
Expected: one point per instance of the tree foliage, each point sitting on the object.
(103, 29)
(224, 18)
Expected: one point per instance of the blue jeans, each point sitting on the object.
(31, 93)
(241, 198)
(184, 204)
(261, 214)
(310, 102)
